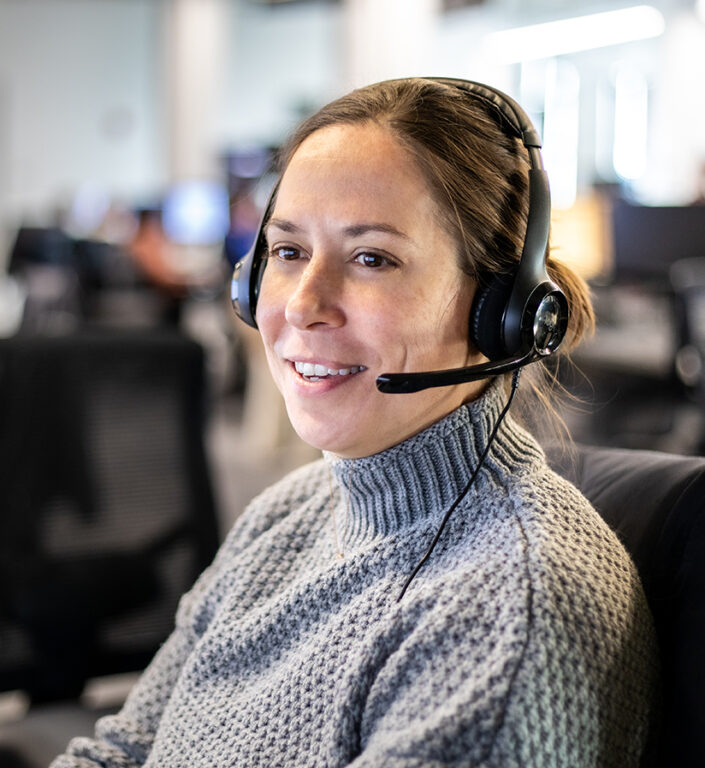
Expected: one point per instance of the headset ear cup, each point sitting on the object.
(241, 292)
(486, 316)
(247, 275)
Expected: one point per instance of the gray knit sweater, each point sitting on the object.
(524, 641)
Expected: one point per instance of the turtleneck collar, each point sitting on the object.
(421, 477)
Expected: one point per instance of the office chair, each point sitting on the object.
(656, 504)
(107, 507)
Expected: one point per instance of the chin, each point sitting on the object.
(339, 447)
(322, 438)
(317, 434)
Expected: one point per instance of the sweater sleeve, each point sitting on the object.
(516, 665)
(125, 740)
(437, 705)
(440, 695)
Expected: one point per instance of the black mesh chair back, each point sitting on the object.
(656, 504)
(107, 511)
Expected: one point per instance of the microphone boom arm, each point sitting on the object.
(404, 383)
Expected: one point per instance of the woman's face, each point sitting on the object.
(361, 279)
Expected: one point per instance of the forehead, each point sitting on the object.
(362, 167)
(366, 141)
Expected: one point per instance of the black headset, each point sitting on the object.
(516, 318)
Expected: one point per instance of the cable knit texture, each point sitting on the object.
(524, 641)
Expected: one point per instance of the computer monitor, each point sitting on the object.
(196, 213)
(40, 245)
(647, 240)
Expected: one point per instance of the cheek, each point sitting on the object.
(454, 320)
(450, 322)
(457, 327)
(269, 323)
(441, 335)
(270, 311)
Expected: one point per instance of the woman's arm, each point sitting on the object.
(538, 670)
(125, 740)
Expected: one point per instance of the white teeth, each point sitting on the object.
(316, 371)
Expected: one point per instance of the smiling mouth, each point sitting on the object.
(317, 372)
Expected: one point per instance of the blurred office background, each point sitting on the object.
(135, 142)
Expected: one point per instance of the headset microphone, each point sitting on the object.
(404, 383)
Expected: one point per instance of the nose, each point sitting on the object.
(316, 298)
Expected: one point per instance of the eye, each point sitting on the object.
(373, 260)
(284, 253)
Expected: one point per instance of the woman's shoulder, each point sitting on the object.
(541, 488)
(545, 501)
(569, 554)
(560, 523)
(279, 499)
(266, 510)
(580, 575)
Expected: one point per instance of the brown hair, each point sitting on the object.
(477, 172)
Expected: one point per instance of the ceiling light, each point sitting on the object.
(581, 33)
(700, 10)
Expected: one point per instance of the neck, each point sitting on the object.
(416, 480)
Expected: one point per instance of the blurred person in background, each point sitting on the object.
(149, 249)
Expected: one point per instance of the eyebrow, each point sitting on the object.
(353, 230)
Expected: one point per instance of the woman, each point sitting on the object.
(525, 639)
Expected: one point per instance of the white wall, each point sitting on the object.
(386, 39)
(80, 101)
(195, 36)
(677, 150)
(282, 62)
